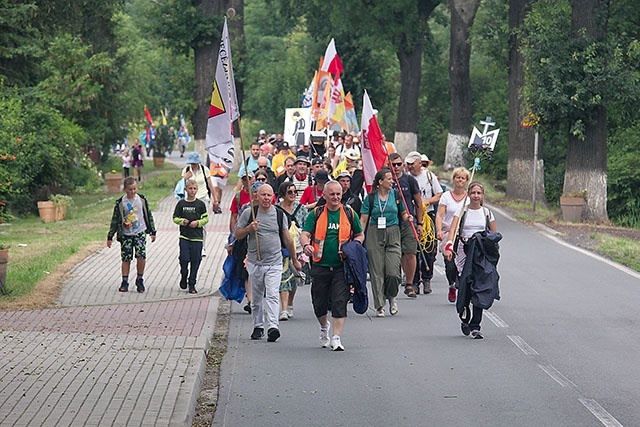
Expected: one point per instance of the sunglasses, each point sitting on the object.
(291, 192)
(261, 179)
(265, 166)
(397, 165)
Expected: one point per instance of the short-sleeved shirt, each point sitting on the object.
(244, 199)
(452, 207)
(409, 187)
(133, 218)
(429, 186)
(268, 237)
(388, 209)
(475, 220)
(201, 175)
(330, 255)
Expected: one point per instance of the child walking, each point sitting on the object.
(130, 223)
(191, 215)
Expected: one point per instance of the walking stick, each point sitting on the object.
(246, 171)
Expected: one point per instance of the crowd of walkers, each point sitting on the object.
(400, 222)
(303, 216)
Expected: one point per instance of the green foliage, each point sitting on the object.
(163, 142)
(42, 150)
(20, 42)
(623, 178)
(570, 75)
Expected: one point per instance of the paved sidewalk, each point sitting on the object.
(105, 358)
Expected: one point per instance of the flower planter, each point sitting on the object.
(114, 182)
(61, 212)
(158, 162)
(4, 260)
(572, 208)
(47, 211)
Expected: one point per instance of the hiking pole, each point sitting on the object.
(246, 171)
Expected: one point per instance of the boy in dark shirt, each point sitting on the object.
(191, 215)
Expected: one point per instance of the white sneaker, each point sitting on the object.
(336, 345)
(324, 336)
(393, 306)
(290, 311)
(380, 312)
(284, 315)
(204, 252)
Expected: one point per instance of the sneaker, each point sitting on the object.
(476, 335)
(380, 312)
(192, 290)
(290, 312)
(140, 285)
(336, 344)
(273, 334)
(204, 252)
(257, 333)
(427, 287)
(466, 329)
(393, 306)
(284, 315)
(124, 287)
(324, 336)
(452, 294)
(247, 307)
(183, 283)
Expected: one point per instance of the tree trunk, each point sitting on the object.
(406, 137)
(521, 140)
(463, 13)
(586, 163)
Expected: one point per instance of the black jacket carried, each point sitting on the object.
(478, 282)
(355, 274)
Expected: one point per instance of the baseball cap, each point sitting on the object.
(413, 157)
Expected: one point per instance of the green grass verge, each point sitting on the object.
(36, 248)
(622, 250)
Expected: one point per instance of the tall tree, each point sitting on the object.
(586, 164)
(521, 138)
(463, 13)
(409, 38)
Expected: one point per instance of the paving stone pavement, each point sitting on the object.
(106, 358)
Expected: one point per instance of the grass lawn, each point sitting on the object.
(40, 253)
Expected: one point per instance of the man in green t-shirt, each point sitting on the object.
(322, 236)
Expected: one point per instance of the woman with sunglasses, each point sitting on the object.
(262, 176)
(296, 213)
(381, 211)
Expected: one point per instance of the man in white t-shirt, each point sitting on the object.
(430, 193)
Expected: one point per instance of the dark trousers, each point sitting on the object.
(472, 316)
(190, 253)
(425, 260)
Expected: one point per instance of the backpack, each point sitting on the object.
(348, 210)
(461, 224)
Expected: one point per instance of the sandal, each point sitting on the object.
(409, 291)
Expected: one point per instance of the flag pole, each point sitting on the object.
(246, 171)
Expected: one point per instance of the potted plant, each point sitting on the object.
(47, 211)
(572, 205)
(62, 203)
(4, 260)
(161, 145)
(114, 181)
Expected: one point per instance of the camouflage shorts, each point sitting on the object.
(129, 244)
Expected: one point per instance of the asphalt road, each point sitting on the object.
(560, 349)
